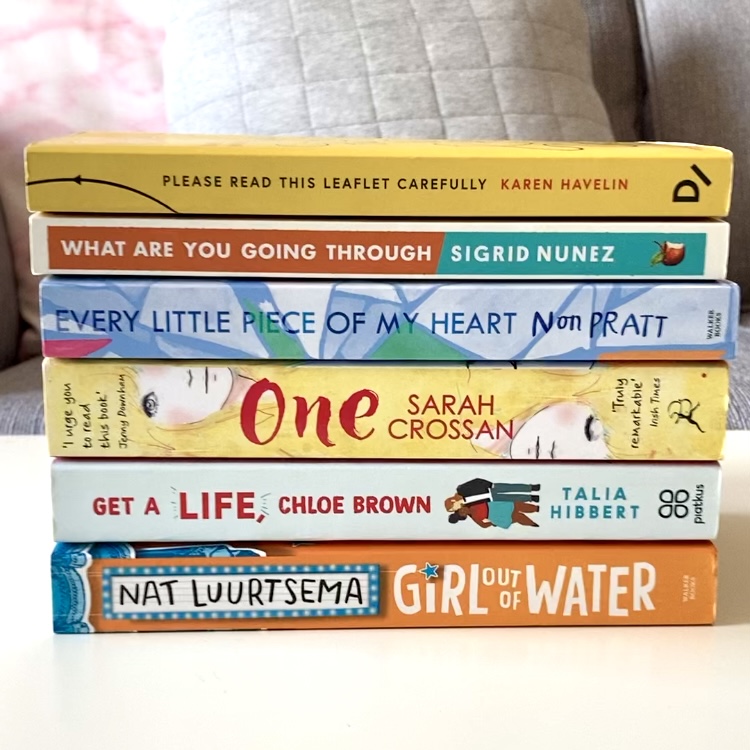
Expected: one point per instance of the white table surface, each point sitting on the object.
(464, 689)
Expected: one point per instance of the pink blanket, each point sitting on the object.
(68, 65)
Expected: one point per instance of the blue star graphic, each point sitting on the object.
(430, 571)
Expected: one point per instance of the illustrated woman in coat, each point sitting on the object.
(493, 504)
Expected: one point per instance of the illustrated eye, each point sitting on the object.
(588, 428)
(150, 404)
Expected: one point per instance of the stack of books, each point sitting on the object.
(331, 383)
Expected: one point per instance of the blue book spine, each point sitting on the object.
(203, 318)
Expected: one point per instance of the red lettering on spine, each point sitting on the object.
(245, 505)
(222, 500)
(311, 504)
(348, 413)
(249, 411)
(184, 512)
(321, 423)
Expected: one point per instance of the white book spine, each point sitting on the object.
(160, 501)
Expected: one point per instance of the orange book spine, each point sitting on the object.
(124, 587)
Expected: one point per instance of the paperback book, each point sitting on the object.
(377, 320)
(326, 248)
(593, 411)
(134, 173)
(168, 501)
(103, 588)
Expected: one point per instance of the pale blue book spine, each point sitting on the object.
(143, 318)
(262, 501)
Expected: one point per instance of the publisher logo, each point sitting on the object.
(682, 410)
(674, 503)
(688, 191)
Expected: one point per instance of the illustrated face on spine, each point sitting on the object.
(454, 503)
(564, 431)
(172, 396)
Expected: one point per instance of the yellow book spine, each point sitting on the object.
(617, 410)
(339, 177)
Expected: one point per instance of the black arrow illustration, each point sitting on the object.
(80, 180)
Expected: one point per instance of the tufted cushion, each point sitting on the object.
(457, 69)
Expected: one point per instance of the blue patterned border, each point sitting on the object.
(372, 608)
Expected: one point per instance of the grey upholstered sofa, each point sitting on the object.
(665, 70)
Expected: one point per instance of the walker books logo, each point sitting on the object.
(688, 191)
